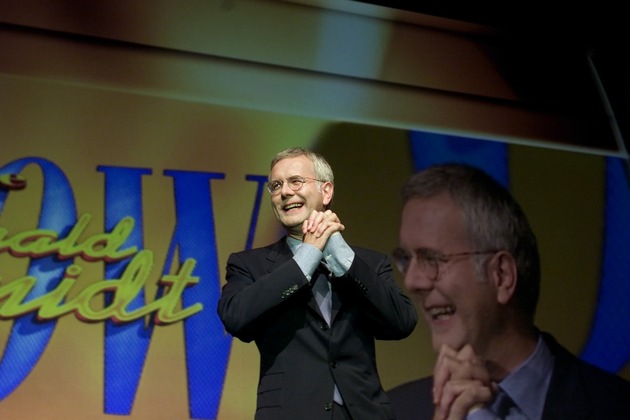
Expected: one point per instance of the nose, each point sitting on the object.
(286, 190)
(416, 279)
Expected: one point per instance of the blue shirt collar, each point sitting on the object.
(527, 385)
(294, 244)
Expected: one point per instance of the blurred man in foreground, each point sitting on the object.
(471, 262)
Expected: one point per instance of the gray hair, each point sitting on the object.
(323, 171)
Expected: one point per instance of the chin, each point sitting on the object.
(291, 221)
(456, 343)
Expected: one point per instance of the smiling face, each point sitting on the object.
(294, 207)
(459, 307)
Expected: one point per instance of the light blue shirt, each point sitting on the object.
(337, 255)
(527, 386)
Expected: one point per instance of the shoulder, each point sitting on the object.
(369, 254)
(413, 400)
(259, 260)
(567, 362)
(575, 378)
(277, 248)
(419, 387)
(368, 260)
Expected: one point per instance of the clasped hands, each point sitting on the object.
(461, 383)
(319, 226)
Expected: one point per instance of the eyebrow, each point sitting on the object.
(289, 177)
(425, 251)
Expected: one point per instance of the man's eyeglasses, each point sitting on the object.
(428, 262)
(295, 183)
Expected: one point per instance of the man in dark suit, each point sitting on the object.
(314, 305)
(471, 262)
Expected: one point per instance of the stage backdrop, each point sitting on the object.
(119, 212)
(129, 174)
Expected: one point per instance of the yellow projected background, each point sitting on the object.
(218, 87)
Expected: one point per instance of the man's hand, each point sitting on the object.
(461, 383)
(319, 227)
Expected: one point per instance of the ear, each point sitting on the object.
(503, 274)
(328, 190)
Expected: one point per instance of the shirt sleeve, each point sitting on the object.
(307, 258)
(338, 255)
(481, 414)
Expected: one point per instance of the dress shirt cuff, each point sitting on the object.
(307, 258)
(338, 255)
(481, 414)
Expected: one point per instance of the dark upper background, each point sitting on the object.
(547, 46)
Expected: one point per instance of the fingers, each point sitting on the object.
(460, 383)
(441, 371)
(460, 397)
(322, 223)
(467, 365)
(451, 364)
(318, 228)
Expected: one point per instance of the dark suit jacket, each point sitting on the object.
(268, 299)
(577, 391)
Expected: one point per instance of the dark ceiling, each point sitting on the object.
(559, 36)
(594, 23)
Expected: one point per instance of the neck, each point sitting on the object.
(507, 352)
(294, 235)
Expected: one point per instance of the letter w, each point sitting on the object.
(207, 345)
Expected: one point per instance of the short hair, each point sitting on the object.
(494, 220)
(323, 171)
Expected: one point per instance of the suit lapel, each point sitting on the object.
(565, 386)
(336, 302)
(279, 253)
